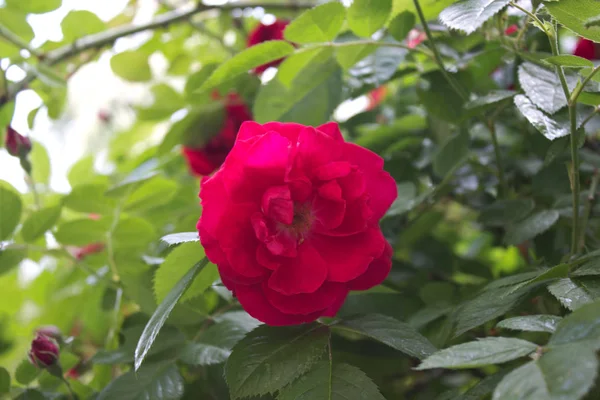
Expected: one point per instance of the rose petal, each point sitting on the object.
(348, 257)
(330, 190)
(277, 204)
(315, 149)
(289, 129)
(356, 219)
(335, 307)
(302, 274)
(378, 270)
(256, 304)
(333, 170)
(304, 303)
(353, 185)
(328, 213)
(332, 130)
(251, 129)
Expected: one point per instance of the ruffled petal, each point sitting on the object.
(328, 213)
(277, 204)
(309, 303)
(357, 217)
(251, 129)
(335, 307)
(333, 170)
(302, 274)
(332, 129)
(378, 270)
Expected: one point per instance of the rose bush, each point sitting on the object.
(291, 220)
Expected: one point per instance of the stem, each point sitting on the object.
(116, 310)
(575, 95)
(588, 207)
(72, 394)
(34, 192)
(330, 366)
(436, 53)
(575, 182)
(589, 117)
(532, 16)
(374, 43)
(17, 41)
(503, 185)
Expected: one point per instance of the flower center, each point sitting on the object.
(302, 221)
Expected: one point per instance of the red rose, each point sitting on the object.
(415, 38)
(44, 351)
(263, 33)
(16, 144)
(587, 49)
(511, 30)
(86, 250)
(375, 97)
(291, 220)
(203, 161)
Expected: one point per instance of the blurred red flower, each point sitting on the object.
(263, 33)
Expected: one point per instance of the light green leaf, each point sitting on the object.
(133, 232)
(348, 56)
(26, 372)
(503, 212)
(10, 258)
(392, 332)
(469, 15)
(365, 17)
(574, 14)
(90, 198)
(451, 153)
(182, 237)
(10, 209)
(246, 60)
(79, 23)
(431, 8)
(483, 352)
(166, 101)
(340, 381)
(532, 226)
(320, 24)
(131, 65)
(269, 358)
(401, 24)
(80, 171)
(569, 61)
(574, 293)
(40, 162)
(80, 232)
(407, 191)
(554, 376)
(294, 64)
(34, 6)
(531, 323)
(152, 382)
(176, 265)
(39, 222)
(15, 21)
(161, 314)
(153, 193)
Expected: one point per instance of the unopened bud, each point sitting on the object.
(16, 144)
(44, 351)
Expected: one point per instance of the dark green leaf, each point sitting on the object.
(10, 258)
(161, 314)
(79, 23)
(4, 381)
(450, 154)
(10, 210)
(161, 381)
(489, 101)
(269, 358)
(532, 226)
(439, 97)
(182, 237)
(468, 15)
(583, 325)
(375, 69)
(392, 332)
(246, 60)
(575, 292)
(503, 212)
(337, 382)
(483, 352)
(401, 24)
(31, 394)
(542, 86)
(39, 222)
(365, 17)
(573, 14)
(531, 323)
(131, 65)
(405, 201)
(26, 372)
(569, 61)
(320, 24)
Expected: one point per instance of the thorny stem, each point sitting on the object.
(588, 207)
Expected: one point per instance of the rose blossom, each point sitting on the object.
(291, 220)
(44, 351)
(263, 33)
(587, 49)
(204, 160)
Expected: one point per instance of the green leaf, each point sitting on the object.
(547, 126)
(166, 101)
(483, 352)
(40, 162)
(79, 23)
(4, 381)
(26, 372)
(553, 376)
(503, 212)
(31, 394)
(80, 232)
(294, 64)
(574, 293)
(246, 60)
(489, 101)
(133, 232)
(583, 325)
(80, 171)
(151, 382)
(310, 100)
(483, 389)
(407, 192)
(591, 267)
(269, 358)
(214, 345)
(365, 17)
(569, 61)
(337, 382)
(90, 198)
(348, 56)
(532, 226)
(31, 117)
(392, 332)
(10, 258)
(131, 65)
(161, 314)
(320, 24)
(401, 24)
(181, 237)
(594, 21)
(15, 21)
(574, 14)
(10, 210)
(439, 98)
(34, 6)
(469, 15)
(153, 193)
(175, 267)
(531, 323)
(376, 68)
(450, 154)
(7, 110)
(39, 222)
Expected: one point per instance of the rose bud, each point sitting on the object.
(205, 159)
(44, 351)
(16, 144)
(511, 30)
(50, 331)
(263, 33)
(587, 49)
(291, 219)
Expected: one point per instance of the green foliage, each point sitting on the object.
(10, 210)
(321, 24)
(468, 15)
(574, 15)
(401, 25)
(132, 66)
(77, 24)
(153, 381)
(365, 17)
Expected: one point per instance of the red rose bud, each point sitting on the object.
(44, 351)
(263, 33)
(84, 251)
(16, 144)
(291, 220)
(50, 331)
(511, 30)
(206, 159)
(587, 49)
